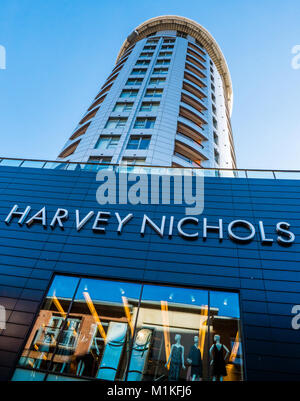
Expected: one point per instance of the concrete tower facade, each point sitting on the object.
(167, 102)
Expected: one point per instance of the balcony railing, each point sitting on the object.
(92, 166)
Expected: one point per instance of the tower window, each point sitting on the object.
(146, 54)
(163, 62)
(97, 160)
(107, 142)
(160, 70)
(154, 93)
(134, 81)
(149, 48)
(116, 122)
(139, 142)
(149, 106)
(144, 122)
(142, 62)
(129, 93)
(215, 123)
(165, 47)
(138, 71)
(157, 81)
(216, 138)
(132, 161)
(152, 40)
(181, 34)
(169, 40)
(217, 156)
(122, 107)
(165, 54)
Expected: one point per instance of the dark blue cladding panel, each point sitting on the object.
(267, 277)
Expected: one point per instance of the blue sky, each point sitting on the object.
(59, 53)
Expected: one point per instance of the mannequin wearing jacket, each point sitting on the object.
(194, 358)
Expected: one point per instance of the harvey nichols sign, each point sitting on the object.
(188, 227)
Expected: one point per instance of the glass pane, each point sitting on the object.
(102, 319)
(113, 142)
(149, 123)
(27, 375)
(260, 174)
(56, 166)
(45, 335)
(11, 163)
(144, 143)
(211, 173)
(76, 166)
(139, 124)
(111, 123)
(232, 173)
(33, 164)
(102, 143)
(226, 353)
(133, 144)
(287, 175)
(53, 378)
(118, 107)
(171, 338)
(121, 123)
(127, 107)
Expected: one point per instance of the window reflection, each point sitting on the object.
(52, 330)
(173, 317)
(103, 315)
(226, 348)
(111, 330)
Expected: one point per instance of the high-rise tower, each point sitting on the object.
(167, 102)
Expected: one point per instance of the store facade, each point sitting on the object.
(89, 299)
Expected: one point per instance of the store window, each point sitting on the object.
(93, 329)
(225, 337)
(84, 329)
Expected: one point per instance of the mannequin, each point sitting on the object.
(216, 352)
(195, 360)
(176, 359)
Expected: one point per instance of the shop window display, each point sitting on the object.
(93, 329)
